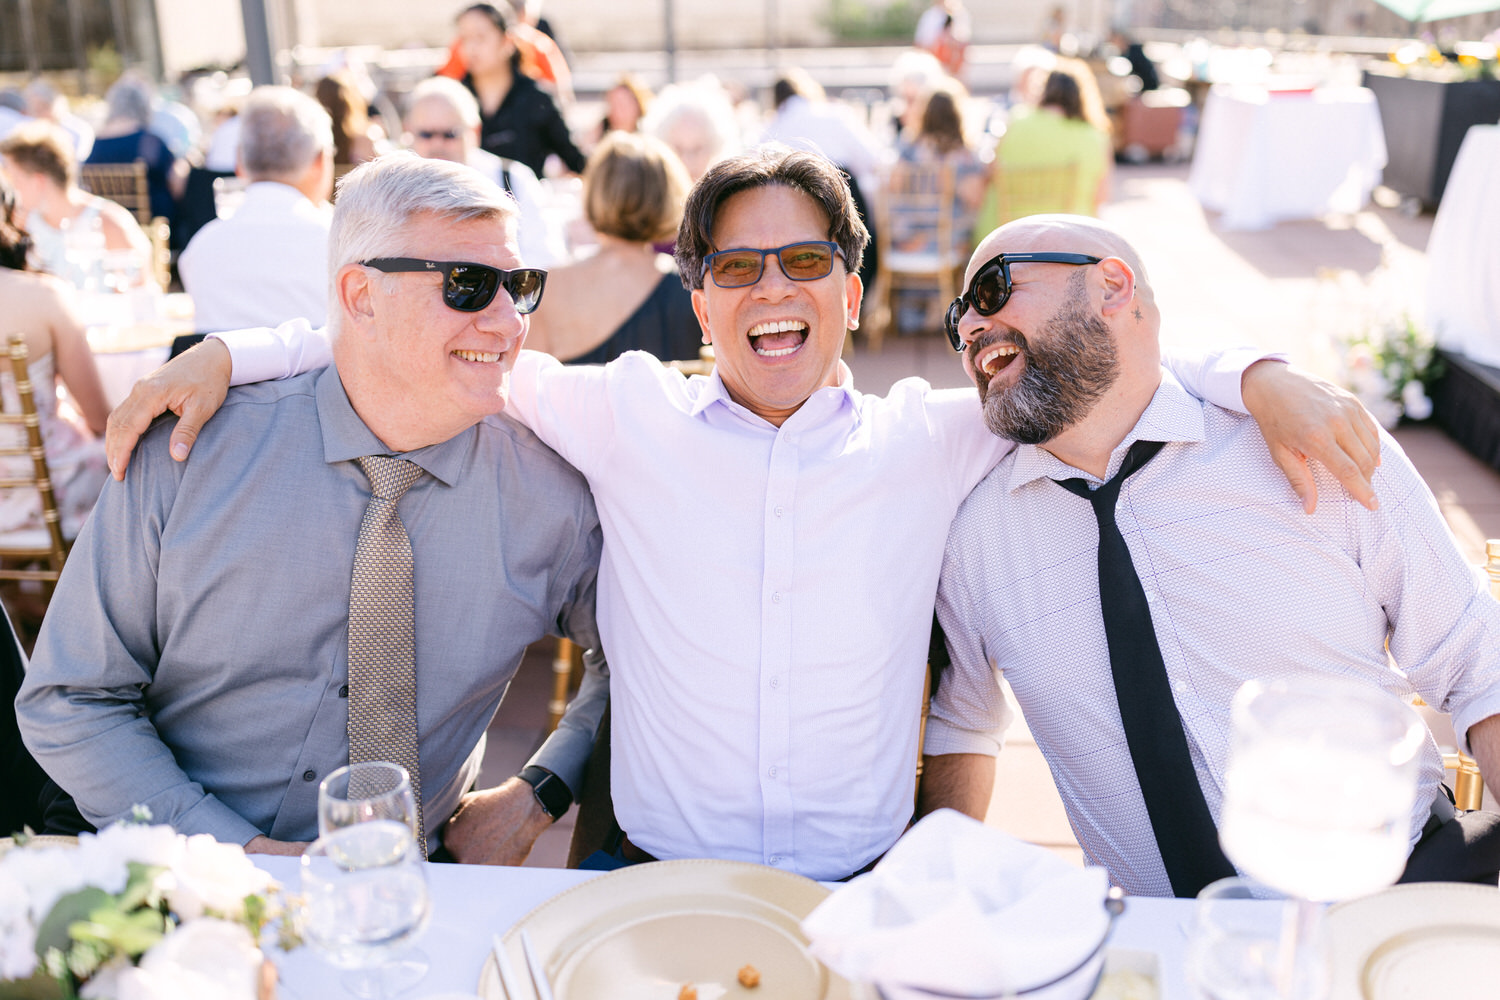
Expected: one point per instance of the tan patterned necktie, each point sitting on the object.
(382, 657)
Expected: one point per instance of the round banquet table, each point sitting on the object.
(1463, 252)
(1264, 155)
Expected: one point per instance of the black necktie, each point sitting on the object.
(1184, 828)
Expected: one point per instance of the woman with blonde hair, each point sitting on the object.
(625, 296)
(37, 306)
(38, 160)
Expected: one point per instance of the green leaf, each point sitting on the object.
(68, 910)
(130, 933)
(141, 886)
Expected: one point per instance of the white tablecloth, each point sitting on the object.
(473, 902)
(1264, 156)
(1463, 252)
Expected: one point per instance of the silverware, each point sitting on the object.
(534, 964)
(507, 973)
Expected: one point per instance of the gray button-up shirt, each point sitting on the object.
(194, 658)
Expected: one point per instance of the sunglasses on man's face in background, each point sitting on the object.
(470, 287)
(427, 135)
(990, 289)
(743, 266)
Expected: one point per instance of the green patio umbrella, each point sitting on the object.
(1436, 10)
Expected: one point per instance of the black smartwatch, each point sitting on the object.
(552, 793)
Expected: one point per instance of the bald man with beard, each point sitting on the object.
(1059, 328)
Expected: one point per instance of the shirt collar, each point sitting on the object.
(346, 437)
(1173, 415)
(714, 391)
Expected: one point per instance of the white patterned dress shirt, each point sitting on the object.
(1241, 584)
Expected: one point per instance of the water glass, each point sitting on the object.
(1245, 944)
(361, 793)
(365, 897)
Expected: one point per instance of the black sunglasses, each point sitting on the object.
(471, 287)
(990, 289)
(743, 266)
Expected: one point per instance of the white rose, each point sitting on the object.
(207, 959)
(46, 873)
(1414, 400)
(210, 876)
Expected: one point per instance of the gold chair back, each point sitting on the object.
(124, 183)
(917, 229)
(40, 554)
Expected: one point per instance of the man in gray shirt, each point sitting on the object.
(195, 657)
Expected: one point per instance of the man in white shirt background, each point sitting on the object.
(1236, 580)
(772, 536)
(442, 122)
(268, 262)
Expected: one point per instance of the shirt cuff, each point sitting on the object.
(1224, 375)
(944, 738)
(254, 355)
(214, 818)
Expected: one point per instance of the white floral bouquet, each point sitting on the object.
(1390, 367)
(136, 912)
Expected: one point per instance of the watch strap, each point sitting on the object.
(552, 793)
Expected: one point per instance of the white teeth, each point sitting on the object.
(777, 326)
(482, 356)
(989, 359)
(778, 354)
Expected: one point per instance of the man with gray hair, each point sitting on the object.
(225, 634)
(268, 262)
(442, 122)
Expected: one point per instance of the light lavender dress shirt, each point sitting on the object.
(1241, 584)
(194, 658)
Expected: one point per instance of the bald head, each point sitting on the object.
(1066, 233)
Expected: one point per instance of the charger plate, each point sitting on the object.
(643, 932)
(1407, 942)
(39, 840)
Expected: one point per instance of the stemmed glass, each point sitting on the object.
(374, 792)
(360, 793)
(1318, 799)
(365, 896)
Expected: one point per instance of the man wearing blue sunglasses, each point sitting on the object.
(772, 535)
(1164, 562)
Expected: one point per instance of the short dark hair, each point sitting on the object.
(811, 173)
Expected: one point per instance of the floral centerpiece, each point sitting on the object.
(136, 912)
(1390, 368)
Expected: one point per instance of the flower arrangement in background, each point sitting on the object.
(136, 911)
(1448, 61)
(1389, 367)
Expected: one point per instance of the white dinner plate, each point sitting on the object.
(1412, 942)
(644, 932)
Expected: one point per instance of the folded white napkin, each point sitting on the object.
(959, 907)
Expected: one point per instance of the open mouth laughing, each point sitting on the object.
(778, 338)
(995, 358)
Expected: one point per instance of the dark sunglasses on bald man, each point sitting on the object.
(470, 287)
(990, 289)
(427, 135)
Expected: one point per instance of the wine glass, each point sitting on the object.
(1318, 796)
(359, 793)
(365, 896)
(370, 792)
(1239, 941)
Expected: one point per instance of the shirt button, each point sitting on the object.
(775, 683)
(774, 859)
(1180, 687)
(771, 771)
(776, 597)
(309, 775)
(778, 511)
(344, 691)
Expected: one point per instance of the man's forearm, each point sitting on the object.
(1484, 747)
(962, 781)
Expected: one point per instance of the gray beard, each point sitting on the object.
(1072, 366)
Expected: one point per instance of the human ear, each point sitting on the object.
(352, 286)
(700, 309)
(1119, 285)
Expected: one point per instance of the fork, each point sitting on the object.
(534, 965)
